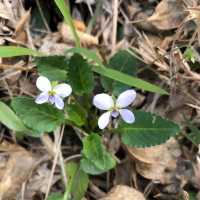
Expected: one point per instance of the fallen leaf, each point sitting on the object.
(22, 21)
(122, 192)
(79, 25)
(156, 162)
(51, 45)
(124, 173)
(17, 170)
(85, 39)
(39, 181)
(4, 12)
(169, 14)
(148, 49)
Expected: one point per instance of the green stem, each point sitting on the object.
(64, 9)
(67, 192)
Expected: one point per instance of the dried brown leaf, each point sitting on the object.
(17, 170)
(21, 23)
(151, 53)
(169, 14)
(122, 192)
(85, 39)
(153, 162)
(4, 12)
(39, 181)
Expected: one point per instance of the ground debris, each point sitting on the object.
(16, 171)
(122, 192)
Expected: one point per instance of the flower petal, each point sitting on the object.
(59, 103)
(43, 84)
(127, 115)
(42, 98)
(115, 114)
(126, 98)
(103, 101)
(63, 90)
(51, 99)
(104, 120)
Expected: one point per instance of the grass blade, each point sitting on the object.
(12, 51)
(64, 9)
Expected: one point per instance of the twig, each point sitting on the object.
(96, 14)
(115, 16)
(193, 106)
(99, 193)
(61, 160)
(54, 162)
(23, 190)
(80, 133)
(62, 166)
(72, 157)
(42, 16)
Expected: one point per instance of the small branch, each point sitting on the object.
(54, 162)
(42, 16)
(115, 17)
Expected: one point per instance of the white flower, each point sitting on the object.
(52, 94)
(114, 109)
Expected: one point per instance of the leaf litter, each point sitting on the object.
(158, 33)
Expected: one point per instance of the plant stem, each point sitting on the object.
(64, 9)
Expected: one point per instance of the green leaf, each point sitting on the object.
(40, 118)
(53, 67)
(64, 9)
(194, 135)
(190, 55)
(12, 51)
(91, 55)
(148, 130)
(10, 119)
(78, 181)
(77, 114)
(96, 159)
(193, 196)
(127, 79)
(116, 75)
(80, 75)
(55, 196)
(124, 62)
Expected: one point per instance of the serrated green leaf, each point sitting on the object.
(96, 159)
(116, 75)
(76, 114)
(89, 167)
(10, 119)
(80, 75)
(91, 55)
(40, 118)
(78, 181)
(124, 62)
(148, 130)
(12, 51)
(53, 67)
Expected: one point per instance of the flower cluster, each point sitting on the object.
(55, 93)
(51, 93)
(115, 108)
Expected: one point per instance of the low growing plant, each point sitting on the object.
(67, 97)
